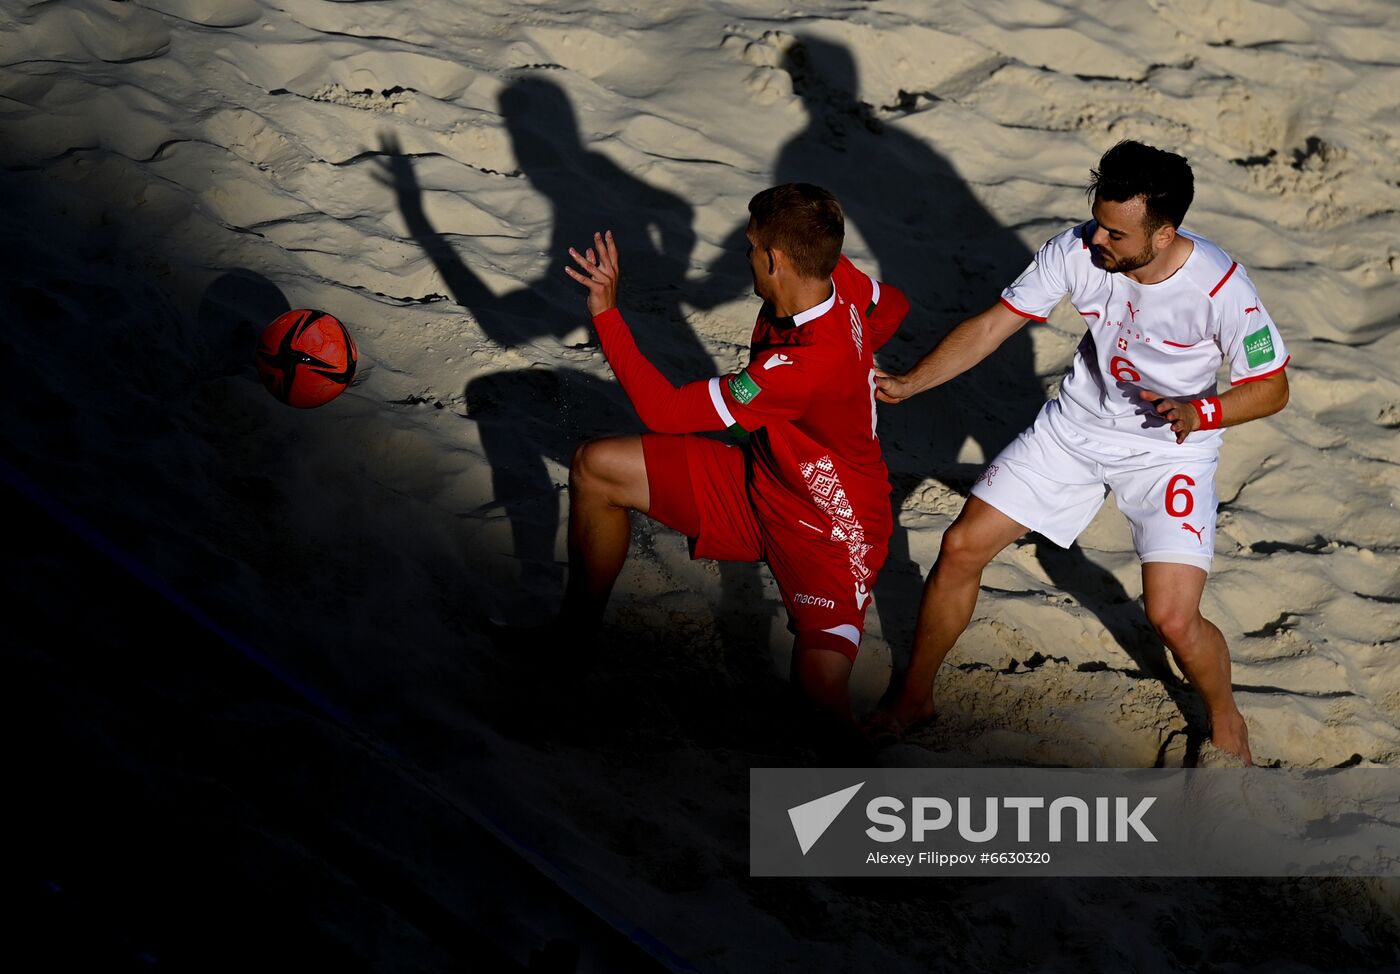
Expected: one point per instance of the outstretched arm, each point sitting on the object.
(962, 348)
(512, 320)
(663, 407)
(396, 171)
(1247, 401)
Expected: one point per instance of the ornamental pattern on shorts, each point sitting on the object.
(830, 496)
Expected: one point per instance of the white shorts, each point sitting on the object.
(1053, 480)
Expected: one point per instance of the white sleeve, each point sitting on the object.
(1041, 285)
(1248, 336)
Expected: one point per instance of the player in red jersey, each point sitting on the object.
(1138, 413)
(808, 493)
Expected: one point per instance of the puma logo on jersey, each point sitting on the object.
(1248, 310)
(862, 595)
(1197, 532)
(1132, 312)
(773, 361)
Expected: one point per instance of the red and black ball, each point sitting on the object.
(306, 358)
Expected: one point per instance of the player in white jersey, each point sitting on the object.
(1138, 413)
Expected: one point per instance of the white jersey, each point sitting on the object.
(1168, 338)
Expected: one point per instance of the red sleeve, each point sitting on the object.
(664, 408)
(777, 386)
(885, 315)
(883, 306)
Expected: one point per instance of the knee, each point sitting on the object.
(961, 553)
(1175, 625)
(588, 471)
(610, 470)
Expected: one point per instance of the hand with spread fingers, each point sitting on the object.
(600, 272)
(1181, 415)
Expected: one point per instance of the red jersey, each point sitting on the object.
(807, 399)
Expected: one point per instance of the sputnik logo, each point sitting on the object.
(810, 820)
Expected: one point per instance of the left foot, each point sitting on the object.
(1230, 737)
(1212, 755)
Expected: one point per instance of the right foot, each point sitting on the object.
(890, 726)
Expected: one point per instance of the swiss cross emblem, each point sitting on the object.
(1123, 344)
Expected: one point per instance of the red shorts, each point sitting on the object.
(699, 486)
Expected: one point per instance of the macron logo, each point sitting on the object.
(773, 361)
(810, 820)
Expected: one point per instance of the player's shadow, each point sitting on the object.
(931, 237)
(527, 417)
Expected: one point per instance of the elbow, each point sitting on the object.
(1280, 394)
(1267, 396)
(898, 306)
(654, 420)
(661, 421)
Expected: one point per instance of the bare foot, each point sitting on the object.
(1231, 736)
(1214, 756)
(887, 727)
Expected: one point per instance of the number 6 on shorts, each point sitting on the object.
(1179, 500)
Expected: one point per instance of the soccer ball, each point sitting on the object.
(306, 358)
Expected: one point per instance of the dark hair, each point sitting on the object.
(804, 222)
(1131, 169)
